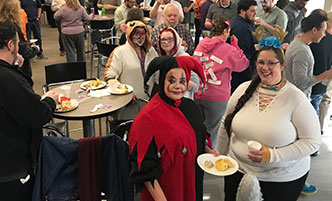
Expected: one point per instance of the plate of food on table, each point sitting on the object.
(218, 166)
(66, 104)
(93, 84)
(117, 88)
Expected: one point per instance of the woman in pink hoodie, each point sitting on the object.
(219, 59)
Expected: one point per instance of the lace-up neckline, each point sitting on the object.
(265, 100)
(266, 97)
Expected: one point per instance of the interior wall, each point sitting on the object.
(328, 5)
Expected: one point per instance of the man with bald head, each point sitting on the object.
(171, 19)
(159, 8)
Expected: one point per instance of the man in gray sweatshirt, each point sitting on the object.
(299, 58)
(300, 62)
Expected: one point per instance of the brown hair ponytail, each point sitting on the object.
(241, 102)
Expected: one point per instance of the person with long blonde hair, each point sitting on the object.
(72, 30)
(10, 10)
(74, 4)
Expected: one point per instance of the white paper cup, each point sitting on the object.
(254, 145)
(113, 84)
(99, 12)
(65, 89)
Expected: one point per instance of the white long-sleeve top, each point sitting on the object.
(288, 126)
(124, 64)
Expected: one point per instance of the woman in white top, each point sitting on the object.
(273, 112)
(129, 63)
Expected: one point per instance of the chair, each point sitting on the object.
(49, 130)
(120, 128)
(100, 31)
(63, 161)
(63, 73)
(104, 51)
(102, 24)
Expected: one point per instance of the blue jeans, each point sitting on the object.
(34, 26)
(315, 101)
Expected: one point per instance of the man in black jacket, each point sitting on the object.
(22, 115)
(242, 26)
(322, 53)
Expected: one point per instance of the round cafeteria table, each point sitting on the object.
(87, 103)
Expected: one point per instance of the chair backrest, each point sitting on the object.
(60, 164)
(49, 130)
(102, 24)
(65, 72)
(105, 49)
(121, 128)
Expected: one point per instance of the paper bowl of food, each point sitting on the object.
(93, 84)
(218, 166)
(121, 89)
(66, 104)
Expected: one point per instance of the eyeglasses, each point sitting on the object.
(138, 34)
(268, 63)
(168, 40)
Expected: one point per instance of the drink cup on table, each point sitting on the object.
(93, 11)
(254, 145)
(99, 12)
(113, 84)
(65, 90)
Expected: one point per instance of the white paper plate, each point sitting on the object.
(75, 104)
(203, 157)
(83, 85)
(120, 92)
(33, 40)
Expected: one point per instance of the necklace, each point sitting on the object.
(275, 87)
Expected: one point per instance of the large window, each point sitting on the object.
(314, 4)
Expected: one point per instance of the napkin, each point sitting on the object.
(99, 93)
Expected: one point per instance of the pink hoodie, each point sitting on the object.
(220, 58)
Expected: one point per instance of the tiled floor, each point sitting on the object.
(321, 167)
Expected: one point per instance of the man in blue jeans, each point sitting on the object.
(300, 61)
(323, 62)
(33, 11)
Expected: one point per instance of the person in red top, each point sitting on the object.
(167, 136)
